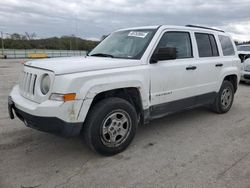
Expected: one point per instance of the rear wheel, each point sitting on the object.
(224, 99)
(110, 126)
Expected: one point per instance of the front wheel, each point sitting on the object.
(110, 126)
(224, 99)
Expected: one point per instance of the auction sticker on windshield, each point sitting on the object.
(138, 34)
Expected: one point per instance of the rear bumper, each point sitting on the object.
(46, 124)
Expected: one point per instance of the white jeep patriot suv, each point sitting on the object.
(133, 76)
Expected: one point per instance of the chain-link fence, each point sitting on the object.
(38, 53)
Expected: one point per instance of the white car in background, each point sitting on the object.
(3, 56)
(244, 54)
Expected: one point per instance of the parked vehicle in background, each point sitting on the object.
(244, 54)
(245, 48)
(133, 76)
(2, 56)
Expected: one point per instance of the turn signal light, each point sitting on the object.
(63, 97)
(69, 97)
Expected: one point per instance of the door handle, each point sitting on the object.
(191, 68)
(219, 65)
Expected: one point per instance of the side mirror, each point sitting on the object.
(163, 54)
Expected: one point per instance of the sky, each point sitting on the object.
(91, 19)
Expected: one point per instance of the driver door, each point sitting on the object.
(173, 82)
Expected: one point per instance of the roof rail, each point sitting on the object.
(196, 26)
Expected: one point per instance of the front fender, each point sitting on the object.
(89, 84)
(93, 87)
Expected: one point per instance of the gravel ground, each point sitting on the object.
(196, 148)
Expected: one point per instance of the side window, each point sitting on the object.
(226, 45)
(213, 46)
(179, 40)
(207, 46)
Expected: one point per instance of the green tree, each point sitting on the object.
(28, 41)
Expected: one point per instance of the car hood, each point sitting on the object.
(244, 52)
(247, 61)
(67, 65)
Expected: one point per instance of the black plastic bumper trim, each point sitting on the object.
(52, 125)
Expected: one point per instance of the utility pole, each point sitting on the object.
(76, 45)
(2, 43)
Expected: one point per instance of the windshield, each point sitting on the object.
(129, 44)
(243, 48)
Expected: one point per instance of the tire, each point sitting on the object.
(223, 104)
(110, 126)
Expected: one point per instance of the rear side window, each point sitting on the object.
(207, 46)
(179, 40)
(226, 45)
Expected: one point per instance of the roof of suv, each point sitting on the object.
(189, 27)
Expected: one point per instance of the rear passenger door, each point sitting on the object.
(209, 63)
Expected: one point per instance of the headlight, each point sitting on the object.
(45, 84)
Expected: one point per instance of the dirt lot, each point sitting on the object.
(191, 149)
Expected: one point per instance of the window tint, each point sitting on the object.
(207, 46)
(226, 45)
(179, 40)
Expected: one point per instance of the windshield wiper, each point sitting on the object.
(102, 55)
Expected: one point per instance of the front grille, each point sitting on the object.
(247, 68)
(247, 77)
(27, 84)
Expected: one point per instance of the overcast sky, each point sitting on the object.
(93, 18)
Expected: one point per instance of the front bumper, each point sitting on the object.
(245, 76)
(46, 116)
(46, 124)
